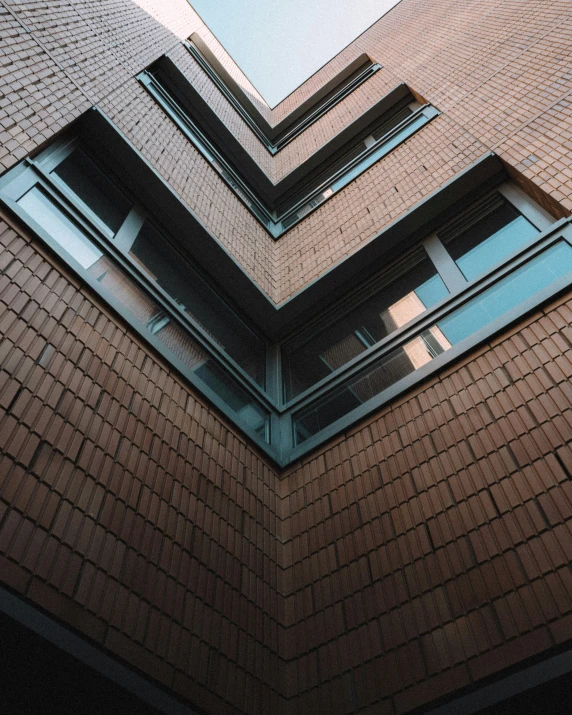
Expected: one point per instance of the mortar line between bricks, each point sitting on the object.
(532, 119)
(32, 34)
(93, 100)
(512, 60)
(107, 44)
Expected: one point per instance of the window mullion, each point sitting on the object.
(528, 208)
(125, 237)
(450, 273)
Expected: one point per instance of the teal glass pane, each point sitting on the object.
(62, 230)
(508, 293)
(491, 240)
(248, 412)
(123, 291)
(432, 291)
(385, 310)
(380, 152)
(525, 282)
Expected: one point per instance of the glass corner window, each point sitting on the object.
(89, 220)
(392, 301)
(481, 268)
(485, 235)
(516, 288)
(89, 185)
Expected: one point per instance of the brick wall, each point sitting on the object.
(462, 62)
(423, 550)
(430, 543)
(128, 508)
(430, 546)
(352, 217)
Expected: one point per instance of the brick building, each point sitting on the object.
(285, 405)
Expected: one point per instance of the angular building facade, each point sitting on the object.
(285, 403)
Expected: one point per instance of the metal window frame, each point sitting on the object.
(559, 231)
(312, 115)
(281, 448)
(272, 220)
(460, 291)
(14, 185)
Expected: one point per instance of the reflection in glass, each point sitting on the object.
(126, 293)
(158, 259)
(90, 185)
(70, 237)
(497, 229)
(393, 305)
(249, 413)
(369, 159)
(381, 151)
(509, 292)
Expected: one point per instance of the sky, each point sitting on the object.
(278, 44)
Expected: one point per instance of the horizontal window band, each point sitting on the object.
(486, 332)
(114, 150)
(125, 311)
(275, 222)
(276, 137)
(277, 422)
(434, 314)
(101, 137)
(197, 107)
(94, 200)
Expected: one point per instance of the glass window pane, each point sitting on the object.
(70, 237)
(490, 239)
(123, 291)
(176, 277)
(535, 275)
(90, 185)
(248, 412)
(381, 151)
(389, 308)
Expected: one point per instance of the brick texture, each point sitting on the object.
(423, 550)
(135, 514)
(430, 546)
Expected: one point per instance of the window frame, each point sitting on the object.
(557, 231)
(271, 218)
(35, 173)
(263, 131)
(281, 415)
(460, 290)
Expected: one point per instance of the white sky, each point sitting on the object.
(278, 44)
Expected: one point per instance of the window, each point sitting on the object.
(536, 275)
(388, 303)
(112, 241)
(482, 267)
(469, 246)
(334, 174)
(276, 138)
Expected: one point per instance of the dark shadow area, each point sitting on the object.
(552, 698)
(39, 678)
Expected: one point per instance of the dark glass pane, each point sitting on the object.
(466, 320)
(248, 412)
(490, 239)
(94, 189)
(388, 309)
(164, 265)
(123, 291)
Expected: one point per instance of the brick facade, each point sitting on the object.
(426, 548)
